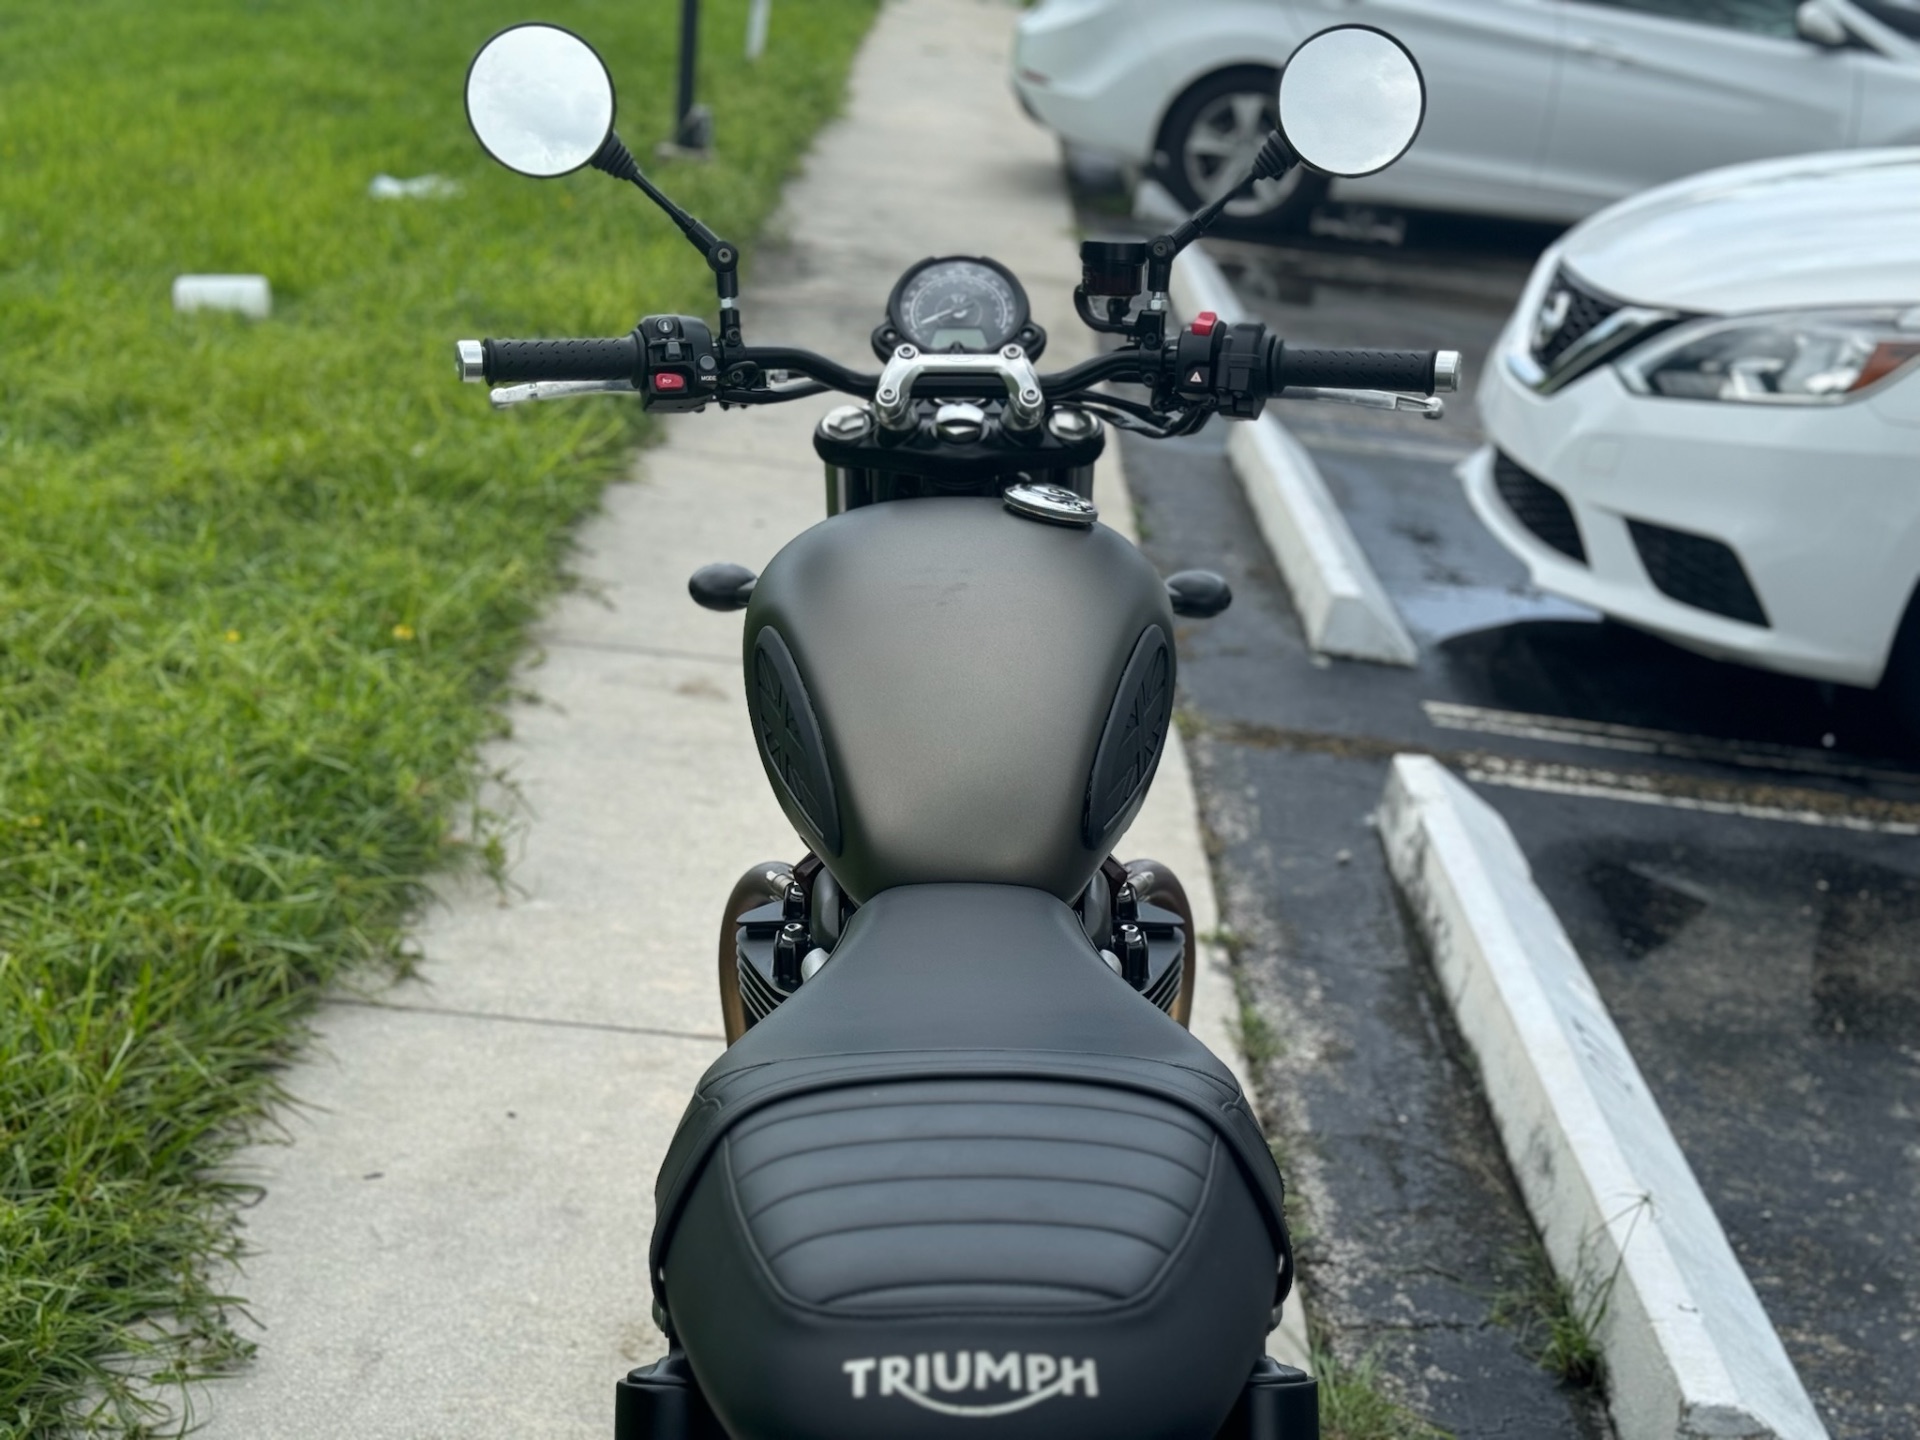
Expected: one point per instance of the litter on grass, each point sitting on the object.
(420, 187)
(243, 294)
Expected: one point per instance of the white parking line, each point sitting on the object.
(1754, 755)
(1579, 780)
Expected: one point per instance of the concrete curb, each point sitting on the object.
(1689, 1348)
(1342, 604)
(1154, 203)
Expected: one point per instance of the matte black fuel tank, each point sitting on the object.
(942, 690)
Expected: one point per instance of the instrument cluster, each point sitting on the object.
(958, 305)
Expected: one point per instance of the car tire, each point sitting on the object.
(1900, 686)
(1209, 139)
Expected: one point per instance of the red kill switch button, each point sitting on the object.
(669, 380)
(1204, 322)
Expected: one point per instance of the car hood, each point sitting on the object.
(1841, 228)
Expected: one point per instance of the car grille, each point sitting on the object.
(1539, 507)
(1697, 570)
(1584, 309)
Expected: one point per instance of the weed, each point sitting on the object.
(1257, 1038)
(261, 584)
(1252, 1031)
(1353, 1406)
(1553, 1325)
(1227, 939)
(1559, 1319)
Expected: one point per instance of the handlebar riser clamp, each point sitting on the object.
(893, 397)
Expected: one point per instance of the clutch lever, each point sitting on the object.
(502, 396)
(789, 383)
(1430, 406)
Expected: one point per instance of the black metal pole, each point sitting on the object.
(689, 45)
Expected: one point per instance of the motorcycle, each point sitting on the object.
(962, 1161)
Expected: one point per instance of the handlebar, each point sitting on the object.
(1234, 369)
(1421, 371)
(507, 362)
(830, 373)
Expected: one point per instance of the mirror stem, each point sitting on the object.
(1273, 161)
(722, 258)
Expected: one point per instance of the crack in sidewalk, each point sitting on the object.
(550, 1022)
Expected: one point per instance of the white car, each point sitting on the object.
(1704, 417)
(1543, 109)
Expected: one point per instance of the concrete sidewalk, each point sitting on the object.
(453, 1244)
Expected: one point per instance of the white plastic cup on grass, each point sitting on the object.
(248, 295)
(420, 187)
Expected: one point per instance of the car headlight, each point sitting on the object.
(1806, 357)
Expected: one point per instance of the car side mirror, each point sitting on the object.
(1817, 25)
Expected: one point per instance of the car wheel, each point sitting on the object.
(1210, 139)
(1901, 684)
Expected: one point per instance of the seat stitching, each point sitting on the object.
(924, 1139)
(851, 1296)
(773, 1255)
(914, 1179)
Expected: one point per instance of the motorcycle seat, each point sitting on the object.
(967, 1171)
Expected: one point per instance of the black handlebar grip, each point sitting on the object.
(1355, 369)
(513, 361)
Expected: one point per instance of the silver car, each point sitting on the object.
(1542, 109)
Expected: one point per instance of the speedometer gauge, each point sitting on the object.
(959, 304)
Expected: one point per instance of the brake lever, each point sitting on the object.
(1430, 406)
(503, 396)
(789, 384)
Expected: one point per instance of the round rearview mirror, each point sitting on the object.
(540, 100)
(1351, 101)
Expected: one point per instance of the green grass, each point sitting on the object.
(1554, 1324)
(1558, 1319)
(261, 584)
(1354, 1406)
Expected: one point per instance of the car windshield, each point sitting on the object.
(1901, 15)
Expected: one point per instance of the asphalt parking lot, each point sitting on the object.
(1733, 853)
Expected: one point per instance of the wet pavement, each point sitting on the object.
(1772, 996)
(1732, 852)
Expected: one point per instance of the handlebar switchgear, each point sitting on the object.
(1240, 367)
(669, 359)
(1228, 363)
(682, 372)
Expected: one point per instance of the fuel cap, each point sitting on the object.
(1054, 504)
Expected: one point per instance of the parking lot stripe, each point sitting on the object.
(1639, 789)
(1750, 754)
(1690, 1350)
(1792, 804)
